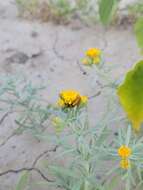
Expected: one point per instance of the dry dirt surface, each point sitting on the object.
(52, 54)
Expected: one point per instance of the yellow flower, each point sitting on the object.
(93, 52)
(71, 98)
(93, 56)
(96, 60)
(125, 164)
(124, 152)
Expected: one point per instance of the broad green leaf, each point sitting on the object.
(130, 94)
(139, 32)
(23, 181)
(106, 10)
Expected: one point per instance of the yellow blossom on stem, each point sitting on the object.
(125, 164)
(124, 151)
(93, 52)
(93, 56)
(71, 98)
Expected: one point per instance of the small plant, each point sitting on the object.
(93, 56)
(95, 157)
(17, 95)
(61, 10)
(27, 7)
(136, 9)
(55, 10)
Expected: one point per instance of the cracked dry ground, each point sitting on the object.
(51, 54)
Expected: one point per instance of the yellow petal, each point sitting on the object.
(124, 151)
(93, 52)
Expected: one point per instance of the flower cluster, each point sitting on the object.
(93, 56)
(71, 98)
(124, 152)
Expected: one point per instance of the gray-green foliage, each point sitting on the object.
(79, 145)
(17, 95)
(88, 151)
(32, 113)
(87, 157)
(133, 176)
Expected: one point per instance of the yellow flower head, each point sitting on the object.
(93, 56)
(124, 151)
(93, 52)
(125, 164)
(71, 98)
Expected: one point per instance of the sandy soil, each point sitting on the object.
(49, 53)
